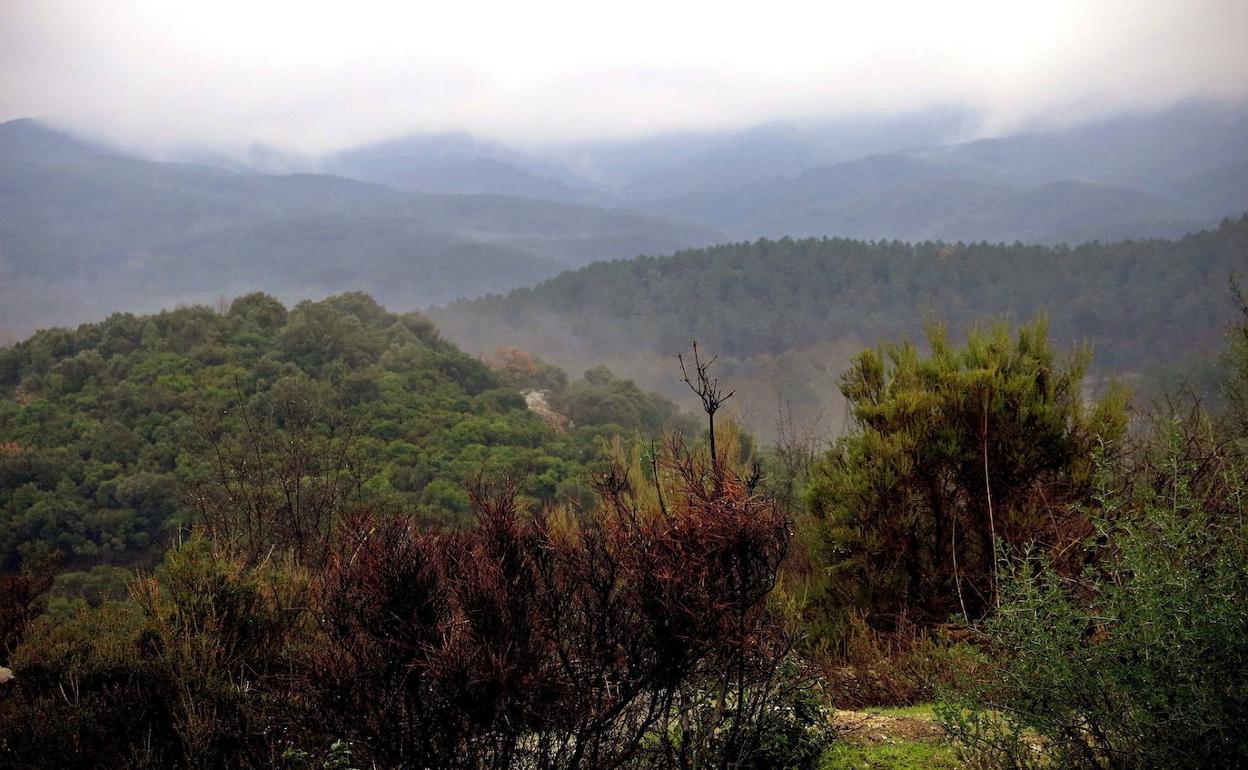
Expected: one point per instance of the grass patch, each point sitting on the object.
(913, 755)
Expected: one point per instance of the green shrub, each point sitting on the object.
(1142, 664)
(787, 726)
(796, 732)
(184, 674)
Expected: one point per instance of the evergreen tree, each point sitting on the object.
(952, 451)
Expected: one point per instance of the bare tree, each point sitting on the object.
(282, 471)
(796, 450)
(708, 391)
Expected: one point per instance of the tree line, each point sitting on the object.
(1140, 302)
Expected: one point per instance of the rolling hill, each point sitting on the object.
(1144, 176)
(84, 231)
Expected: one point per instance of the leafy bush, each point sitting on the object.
(183, 675)
(794, 730)
(1144, 662)
(86, 694)
(789, 728)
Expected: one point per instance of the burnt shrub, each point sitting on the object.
(637, 636)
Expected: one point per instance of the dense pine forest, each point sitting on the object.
(768, 296)
(786, 315)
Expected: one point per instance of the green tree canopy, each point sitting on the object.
(952, 449)
(103, 427)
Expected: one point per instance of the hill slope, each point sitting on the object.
(104, 430)
(458, 163)
(785, 313)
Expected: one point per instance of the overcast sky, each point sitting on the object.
(311, 76)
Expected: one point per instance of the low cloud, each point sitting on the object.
(311, 77)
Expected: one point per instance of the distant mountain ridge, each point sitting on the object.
(910, 176)
(1128, 177)
(84, 231)
(28, 139)
(630, 171)
(427, 219)
(459, 163)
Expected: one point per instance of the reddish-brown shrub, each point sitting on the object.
(552, 641)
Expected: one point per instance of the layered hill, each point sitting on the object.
(911, 175)
(84, 231)
(459, 163)
(1159, 175)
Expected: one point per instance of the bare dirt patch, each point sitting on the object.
(866, 727)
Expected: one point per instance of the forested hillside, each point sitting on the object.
(1141, 303)
(106, 431)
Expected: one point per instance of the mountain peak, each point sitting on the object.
(30, 139)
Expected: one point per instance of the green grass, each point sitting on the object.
(913, 755)
(894, 755)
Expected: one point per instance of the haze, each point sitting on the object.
(313, 77)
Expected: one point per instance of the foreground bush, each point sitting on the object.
(636, 635)
(1143, 664)
(189, 672)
